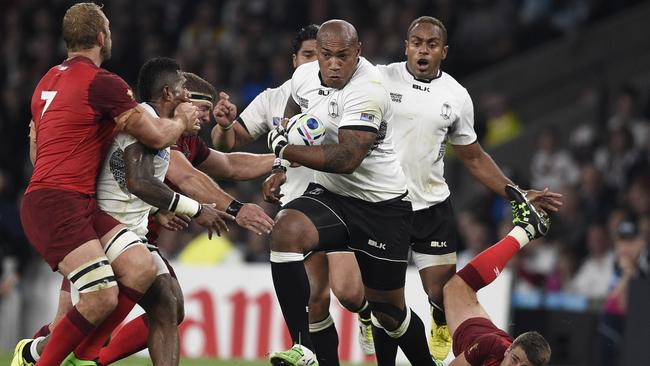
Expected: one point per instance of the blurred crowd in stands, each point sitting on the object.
(243, 47)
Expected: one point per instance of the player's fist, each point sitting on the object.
(224, 112)
(189, 115)
(277, 140)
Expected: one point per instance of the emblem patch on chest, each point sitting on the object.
(333, 109)
(445, 110)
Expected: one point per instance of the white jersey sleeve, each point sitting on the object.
(363, 108)
(462, 131)
(265, 111)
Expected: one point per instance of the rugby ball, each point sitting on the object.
(305, 129)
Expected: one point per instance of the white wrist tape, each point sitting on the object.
(184, 205)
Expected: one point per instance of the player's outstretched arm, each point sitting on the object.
(202, 188)
(483, 168)
(158, 133)
(236, 166)
(142, 183)
(342, 158)
(227, 134)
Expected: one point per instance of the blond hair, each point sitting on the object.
(82, 23)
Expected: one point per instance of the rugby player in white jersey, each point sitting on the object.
(262, 115)
(430, 110)
(355, 201)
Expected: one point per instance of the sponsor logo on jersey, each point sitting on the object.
(395, 97)
(324, 92)
(373, 243)
(445, 110)
(438, 244)
(333, 109)
(421, 88)
(316, 191)
(367, 117)
(304, 103)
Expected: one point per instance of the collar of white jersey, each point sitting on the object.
(147, 107)
(408, 74)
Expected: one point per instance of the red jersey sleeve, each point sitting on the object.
(487, 350)
(109, 95)
(202, 151)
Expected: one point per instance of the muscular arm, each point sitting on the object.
(226, 140)
(460, 361)
(236, 166)
(482, 167)
(292, 108)
(156, 133)
(194, 183)
(140, 177)
(343, 158)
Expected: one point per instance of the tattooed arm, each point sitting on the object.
(343, 158)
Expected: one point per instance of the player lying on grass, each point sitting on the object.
(476, 340)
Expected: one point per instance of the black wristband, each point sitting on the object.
(279, 166)
(234, 207)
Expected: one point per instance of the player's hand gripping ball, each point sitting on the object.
(305, 129)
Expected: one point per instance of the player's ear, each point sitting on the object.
(293, 60)
(406, 47)
(445, 49)
(101, 39)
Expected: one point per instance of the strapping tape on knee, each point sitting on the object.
(122, 241)
(393, 312)
(93, 275)
(321, 325)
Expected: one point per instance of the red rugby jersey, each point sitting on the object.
(73, 108)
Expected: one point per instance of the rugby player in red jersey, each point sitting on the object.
(476, 340)
(77, 109)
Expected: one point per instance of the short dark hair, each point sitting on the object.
(430, 20)
(536, 347)
(154, 75)
(196, 84)
(305, 33)
(82, 23)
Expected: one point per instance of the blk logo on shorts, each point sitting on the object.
(373, 243)
(438, 244)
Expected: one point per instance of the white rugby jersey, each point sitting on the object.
(262, 115)
(113, 195)
(426, 115)
(362, 104)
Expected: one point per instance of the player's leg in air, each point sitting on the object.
(476, 339)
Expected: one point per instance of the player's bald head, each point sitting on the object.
(337, 30)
